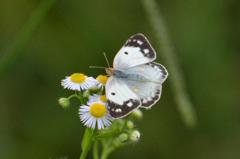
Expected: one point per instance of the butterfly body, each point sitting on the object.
(135, 80)
(128, 76)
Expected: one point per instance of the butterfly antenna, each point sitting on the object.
(101, 67)
(105, 56)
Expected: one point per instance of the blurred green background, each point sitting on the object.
(73, 36)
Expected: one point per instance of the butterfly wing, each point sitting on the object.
(136, 51)
(139, 81)
(146, 81)
(121, 99)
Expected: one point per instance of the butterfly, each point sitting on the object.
(135, 79)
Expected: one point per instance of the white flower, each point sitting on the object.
(102, 80)
(95, 115)
(78, 81)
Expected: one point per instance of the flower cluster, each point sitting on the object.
(101, 127)
(90, 91)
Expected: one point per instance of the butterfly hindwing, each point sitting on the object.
(136, 51)
(148, 92)
(146, 81)
(152, 71)
(121, 100)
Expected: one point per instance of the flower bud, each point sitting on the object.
(135, 136)
(64, 102)
(137, 114)
(123, 137)
(93, 89)
(130, 124)
(86, 93)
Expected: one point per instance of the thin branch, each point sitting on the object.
(185, 106)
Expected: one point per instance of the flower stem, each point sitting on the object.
(95, 150)
(80, 97)
(106, 150)
(104, 154)
(109, 146)
(73, 96)
(86, 142)
(185, 107)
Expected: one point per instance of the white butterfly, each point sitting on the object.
(135, 80)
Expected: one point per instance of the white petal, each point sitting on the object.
(93, 123)
(88, 122)
(93, 98)
(85, 117)
(83, 109)
(68, 84)
(100, 124)
(106, 122)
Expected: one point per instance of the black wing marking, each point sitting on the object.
(120, 111)
(139, 40)
(160, 68)
(150, 101)
(121, 99)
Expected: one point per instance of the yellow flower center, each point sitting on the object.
(78, 78)
(102, 79)
(98, 110)
(103, 98)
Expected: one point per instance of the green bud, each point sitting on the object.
(123, 137)
(137, 114)
(135, 136)
(86, 93)
(64, 102)
(94, 89)
(130, 124)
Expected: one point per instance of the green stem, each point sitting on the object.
(107, 133)
(111, 145)
(185, 107)
(106, 150)
(13, 52)
(105, 155)
(80, 97)
(95, 150)
(86, 142)
(73, 96)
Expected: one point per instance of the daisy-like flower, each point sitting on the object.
(78, 81)
(102, 80)
(95, 115)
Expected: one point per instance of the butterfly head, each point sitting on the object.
(109, 71)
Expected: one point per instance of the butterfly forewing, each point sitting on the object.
(136, 51)
(140, 41)
(121, 99)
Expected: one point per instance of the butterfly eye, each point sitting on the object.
(113, 93)
(126, 53)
